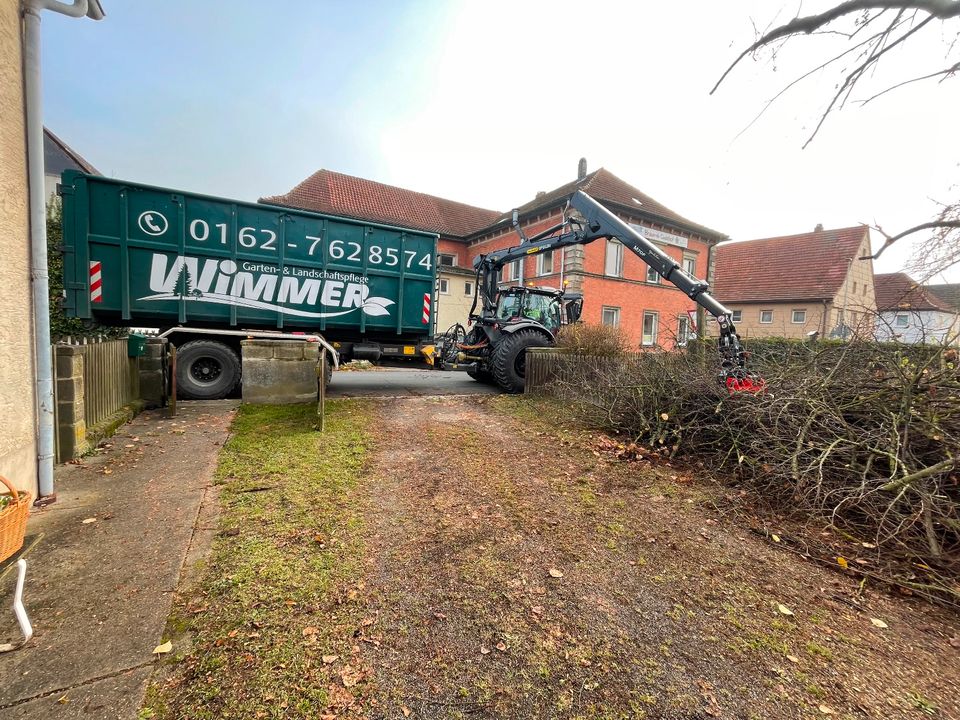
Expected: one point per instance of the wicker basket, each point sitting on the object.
(13, 521)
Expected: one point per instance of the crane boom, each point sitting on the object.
(591, 222)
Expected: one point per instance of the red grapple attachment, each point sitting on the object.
(745, 384)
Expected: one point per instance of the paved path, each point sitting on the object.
(399, 382)
(99, 592)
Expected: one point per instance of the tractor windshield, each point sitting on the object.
(533, 306)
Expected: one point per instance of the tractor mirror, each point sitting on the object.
(574, 309)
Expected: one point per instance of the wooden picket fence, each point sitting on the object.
(111, 379)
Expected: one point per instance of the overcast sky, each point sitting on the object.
(489, 102)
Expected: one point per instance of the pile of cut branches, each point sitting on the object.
(863, 435)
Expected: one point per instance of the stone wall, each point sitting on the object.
(279, 372)
(18, 451)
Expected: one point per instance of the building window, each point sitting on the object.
(614, 261)
(854, 287)
(545, 263)
(650, 322)
(652, 275)
(611, 316)
(683, 330)
(444, 286)
(468, 288)
(799, 317)
(447, 260)
(766, 316)
(511, 271)
(737, 315)
(690, 265)
(901, 320)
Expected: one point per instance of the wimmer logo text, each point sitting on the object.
(222, 282)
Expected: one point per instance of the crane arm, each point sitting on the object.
(592, 222)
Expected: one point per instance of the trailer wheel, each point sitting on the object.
(206, 370)
(510, 358)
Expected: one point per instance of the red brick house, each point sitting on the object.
(618, 287)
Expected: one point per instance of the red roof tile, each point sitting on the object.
(808, 266)
(898, 291)
(332, 192)
(606, 187)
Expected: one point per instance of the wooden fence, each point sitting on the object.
(110, 377)
(546, 365)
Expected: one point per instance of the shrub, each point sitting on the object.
(595, 340)
(865, 435)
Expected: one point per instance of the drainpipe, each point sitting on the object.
(33, 100)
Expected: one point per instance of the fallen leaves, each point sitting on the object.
(163, 648)
(827, 710)
(784, 610)
(842, 562)
(330, 659)
(877, 622)
(87, 521)
(554, 573)
(350, 676)
(309, 631)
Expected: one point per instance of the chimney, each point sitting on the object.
(582, 169)
(540, 194)
(818, 228)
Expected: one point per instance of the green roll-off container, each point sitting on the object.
(141, 255)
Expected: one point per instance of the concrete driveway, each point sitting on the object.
(402, 382)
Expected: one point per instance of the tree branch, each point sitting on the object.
(947, 71)
(942, 9)
(891, 239)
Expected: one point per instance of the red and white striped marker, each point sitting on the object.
(426, 308)
(96, 284)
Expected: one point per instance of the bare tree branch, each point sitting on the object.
(942, 9)
(852, 78)
(891, 239)
(945, 72)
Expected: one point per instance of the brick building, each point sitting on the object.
(618, 287)
(794, 285)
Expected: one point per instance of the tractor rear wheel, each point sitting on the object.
(509, 360)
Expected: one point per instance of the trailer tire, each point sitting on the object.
(509, 358)
(206, 370)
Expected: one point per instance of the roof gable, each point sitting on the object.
(899, 291)
(58, 156)
(338, 194)
(808, 266)
(604, 186)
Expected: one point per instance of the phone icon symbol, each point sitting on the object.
(152, 222)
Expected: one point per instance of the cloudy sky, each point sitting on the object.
(489, 102)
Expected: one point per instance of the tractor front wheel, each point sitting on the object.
(509, 360)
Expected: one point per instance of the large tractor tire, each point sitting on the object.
(482, 376)
(509, 361)
(206, 370)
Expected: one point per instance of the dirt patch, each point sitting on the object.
(661, 608)
(460, 557)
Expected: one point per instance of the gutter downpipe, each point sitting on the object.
(33, 101)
